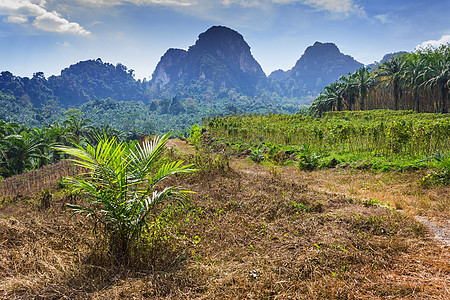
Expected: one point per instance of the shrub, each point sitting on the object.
(307, 160)
(121, 187)
(442, 175)
(257, 155)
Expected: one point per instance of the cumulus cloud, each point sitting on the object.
(445, 39)
(18, 11)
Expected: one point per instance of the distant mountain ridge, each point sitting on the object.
(219, 67)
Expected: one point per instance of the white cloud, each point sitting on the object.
(51, 21)
(338, 8)
(18, 11)
(384, 18)
(18, 19)
(102, 3)
(445, 39)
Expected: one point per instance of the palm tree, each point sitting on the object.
(329, 98)
(121, 187)
(413, 76)
(77, 125)
(392, 71)
(58, 135)
(437, 75)
(362, 81)
(349, 90)
(20, 151)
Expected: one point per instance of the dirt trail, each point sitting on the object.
(401, 191)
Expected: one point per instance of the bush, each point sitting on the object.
(257, 155)
(307, 160)
(442, 175)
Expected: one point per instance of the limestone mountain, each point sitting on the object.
(320, 65)
(220, 59)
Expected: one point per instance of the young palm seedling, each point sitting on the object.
(121, 187)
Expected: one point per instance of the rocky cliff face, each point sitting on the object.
(220, 56)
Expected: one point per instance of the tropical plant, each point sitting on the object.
(414, 74)
(257, 154)
(77, 125)
(437, 75)
(307, 160)
(392, 72)
(19, 151)
(362, 81)
(349, 91)
(121, 187)
(329, 98)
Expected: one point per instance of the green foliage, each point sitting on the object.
(257, 154)
(121, 187)
(195, 135)
(307, 160)
(379, 139)
(442, 174)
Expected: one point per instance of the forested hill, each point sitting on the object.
(77, 84)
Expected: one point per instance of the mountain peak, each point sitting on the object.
(218, 48)
(320, 49)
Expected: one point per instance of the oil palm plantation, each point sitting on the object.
(392, 71)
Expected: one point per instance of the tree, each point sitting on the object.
(392, 71)
(122, 187)
(19, 153)
(437, 75)
(349, 90)
(362, 80)
(329, 98)
(77, 125)
(414, 75)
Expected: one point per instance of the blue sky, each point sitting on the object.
(49, 35)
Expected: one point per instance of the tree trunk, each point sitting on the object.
(361, 102)
(395, 95)
(416, 100)
(444, 100)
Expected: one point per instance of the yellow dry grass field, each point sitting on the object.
(249, 232)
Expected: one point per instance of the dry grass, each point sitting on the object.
(401, 190)
(255, 233)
